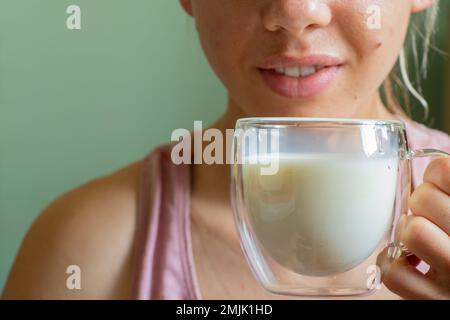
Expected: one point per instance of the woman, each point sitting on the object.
(160, 231)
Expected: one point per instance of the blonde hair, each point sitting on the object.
(398, 88)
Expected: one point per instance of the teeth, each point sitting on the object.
(306, 71)
(298, 71)
(292, 72)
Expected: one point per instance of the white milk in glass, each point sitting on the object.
(321, 214)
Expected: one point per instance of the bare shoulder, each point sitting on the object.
(90, 227)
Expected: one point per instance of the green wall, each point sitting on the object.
(75, 104)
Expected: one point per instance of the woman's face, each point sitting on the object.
(324, 58)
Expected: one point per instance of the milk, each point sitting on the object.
(321, 215)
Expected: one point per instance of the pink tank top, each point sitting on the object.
(164, 266)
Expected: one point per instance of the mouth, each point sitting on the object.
(300, 77)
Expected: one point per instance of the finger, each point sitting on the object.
(430, 202)
(438, 173)
(405, 280)
(428, 242)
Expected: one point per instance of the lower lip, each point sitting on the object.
(302, 87)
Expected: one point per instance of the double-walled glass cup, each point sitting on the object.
(316, 200)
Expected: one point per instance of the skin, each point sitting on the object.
(237, 36)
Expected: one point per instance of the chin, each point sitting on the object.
(278, 109)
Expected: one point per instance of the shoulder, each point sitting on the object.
(92, 227)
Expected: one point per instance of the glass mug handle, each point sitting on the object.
(425, 153)
(410, 155)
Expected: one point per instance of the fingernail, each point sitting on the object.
(413, 260)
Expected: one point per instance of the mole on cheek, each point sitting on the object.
(378, 45)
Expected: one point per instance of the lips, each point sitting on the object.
(304, 77)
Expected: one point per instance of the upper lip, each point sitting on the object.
(286, 61)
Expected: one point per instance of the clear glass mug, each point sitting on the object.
(315, 200)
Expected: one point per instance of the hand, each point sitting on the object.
(426, 234)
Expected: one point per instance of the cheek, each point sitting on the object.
(225, 29)
(380, 29)
(374, 51)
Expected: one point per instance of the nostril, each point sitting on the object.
(296, 17)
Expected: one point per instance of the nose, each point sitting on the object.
(296, 16)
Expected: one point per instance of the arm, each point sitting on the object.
(91, 227)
